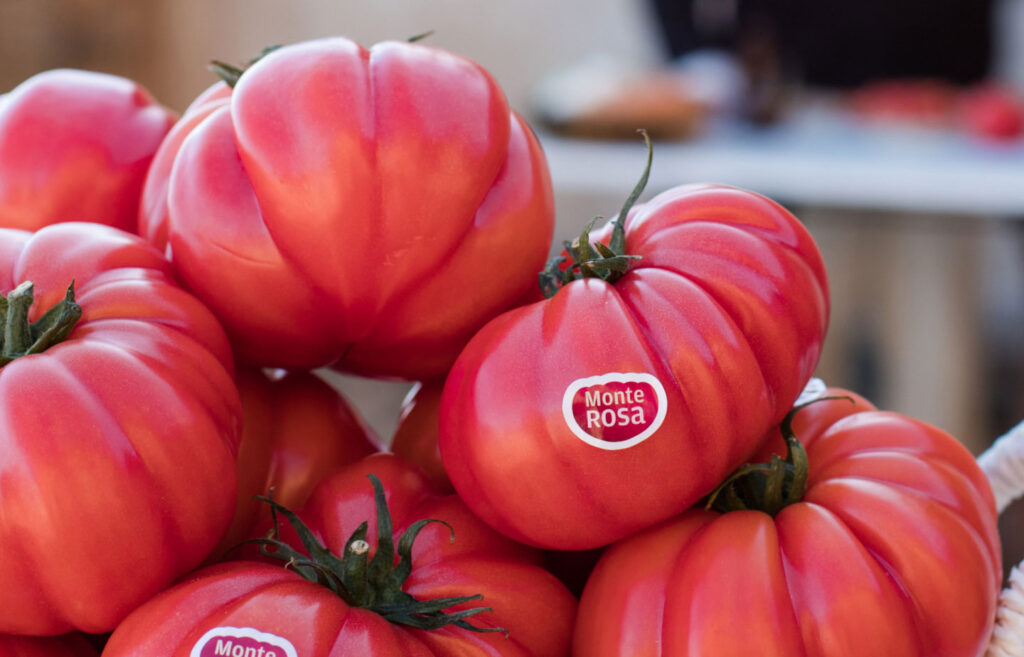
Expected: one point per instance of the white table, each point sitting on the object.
(818, 157)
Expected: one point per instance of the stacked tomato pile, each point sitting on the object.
(169, 284)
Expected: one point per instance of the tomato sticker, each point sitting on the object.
(242, 642)
(615, 410)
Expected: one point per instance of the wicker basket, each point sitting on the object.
(1003, 464)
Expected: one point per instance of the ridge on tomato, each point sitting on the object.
(336, 206)
(391, 569)
(296, 429)
(151, 222)
(120, 420)
(75, 146)
(876, 535)
(667, 350)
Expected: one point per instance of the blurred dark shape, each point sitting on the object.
(749, 30)
(828, 43)
(600, 97)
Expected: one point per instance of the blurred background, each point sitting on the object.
(892, 129)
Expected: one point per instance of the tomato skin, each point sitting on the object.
(351, 219)
(296, 429)
(69, 645)
(152, 215)
(726, 307)
(893, 551)
(528, 601)
(415, 438)
(118, 444)
(991, 112)
(75, 146)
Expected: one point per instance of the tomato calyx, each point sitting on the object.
(230, 74)
(372, 584)
(19, 337)
(769, 487)
(585, 259)
(416, 38)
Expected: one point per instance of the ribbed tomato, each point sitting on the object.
(75, 146)
(415, 438)
(368, 603)
(336, 206)
(668, 349)
(297, 428)
(879, 540)
(152, 212)
(119, 420)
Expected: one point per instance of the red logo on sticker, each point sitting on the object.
(615, 410)
(241, 642)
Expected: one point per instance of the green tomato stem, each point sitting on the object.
(596, 260)
(21, 337)
(230, 73)
(373, 584)
(769, 487)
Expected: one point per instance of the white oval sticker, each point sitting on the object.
(242, 642)
(615, 410)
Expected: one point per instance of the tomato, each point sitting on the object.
(907, 102)
(327, 220)
(75, 146)
(152, 217)
(415, 438)
(296, 429)
(260, 605)
(119, 430)
(891, 550)
(618, 402)
(69, 645)
(991, 112)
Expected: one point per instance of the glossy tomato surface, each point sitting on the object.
(75, 146)
(892, 551)
(572, 422)
(152, 216)
(117, 448)
(296, 429)
(991, 112)
(279, 610)
(338, 204)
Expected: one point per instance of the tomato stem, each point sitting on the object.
(373, 584)
(230, 73)
(21, 337)
(609, 262)
(419, 37)
(771, 486)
